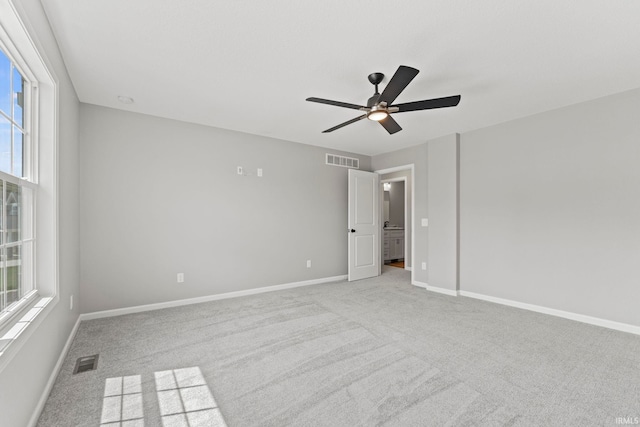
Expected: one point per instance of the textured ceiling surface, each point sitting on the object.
(249, 65)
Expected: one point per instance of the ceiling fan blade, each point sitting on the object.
(398, 82)
(428, 104)
(390, 125)
(336, 103)
(345, 123)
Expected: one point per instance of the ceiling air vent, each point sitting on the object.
(84, 364)
(345, 162)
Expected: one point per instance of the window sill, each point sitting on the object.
(16, 332)
(15, 310)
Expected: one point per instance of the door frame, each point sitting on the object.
(411, 169)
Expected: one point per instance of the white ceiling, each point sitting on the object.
(249, 65)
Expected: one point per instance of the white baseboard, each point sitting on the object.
(624, 327)
(52, 378)
(419, 284)
(437, 289)
(444, 291)
(188, 301)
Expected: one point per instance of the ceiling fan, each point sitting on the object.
(379, 106)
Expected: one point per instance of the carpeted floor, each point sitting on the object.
(366, 353)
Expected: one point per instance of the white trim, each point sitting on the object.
(16, 310)
(408, 268)
(610, 324)
(54, 374)
(436, 289)
(419, 284)
(444, 291)
(394, 169)
(197, 300)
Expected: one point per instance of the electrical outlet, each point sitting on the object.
(424, 265)
(308, 263)
(260, 172)
(240, 170)
(71, 302)
(180, 277)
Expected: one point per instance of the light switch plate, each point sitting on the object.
(425, 222)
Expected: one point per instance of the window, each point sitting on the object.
(17, 187)
(29, 259)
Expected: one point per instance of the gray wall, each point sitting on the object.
(418, 157)
(550, 209)
(24, 379)
(442, 190)
(396, 204)
(162, 197)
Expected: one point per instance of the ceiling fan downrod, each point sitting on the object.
(376, 79)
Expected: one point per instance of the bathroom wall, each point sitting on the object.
(396, 203)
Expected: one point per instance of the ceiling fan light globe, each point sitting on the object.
(377, 115)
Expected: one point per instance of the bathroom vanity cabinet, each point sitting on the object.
(393, 244)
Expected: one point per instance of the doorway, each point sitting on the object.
(394, 206)
(405, 175)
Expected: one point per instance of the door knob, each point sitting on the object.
(352, 231)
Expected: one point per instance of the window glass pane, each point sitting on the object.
(17, 204)
(5, 84)
(14, 273)
(12, 212)
(18, 97)
(5, 145)
(18, 146)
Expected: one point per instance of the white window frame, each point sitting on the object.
(28, 179)
(25, 52)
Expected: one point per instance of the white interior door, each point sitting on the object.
(364, 225)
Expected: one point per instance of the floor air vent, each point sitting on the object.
(345, 162)
(87, 363)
